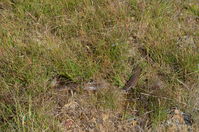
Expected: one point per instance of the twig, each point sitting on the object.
(33, 17)
(183, 84)
(162, 98)
(156, 96)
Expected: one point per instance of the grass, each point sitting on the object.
(86, 40)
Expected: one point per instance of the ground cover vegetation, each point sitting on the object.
(100, 41)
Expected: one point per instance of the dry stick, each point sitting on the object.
(146, 94)
(183, 84)
(131, 83)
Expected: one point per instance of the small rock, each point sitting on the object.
(178, 121)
